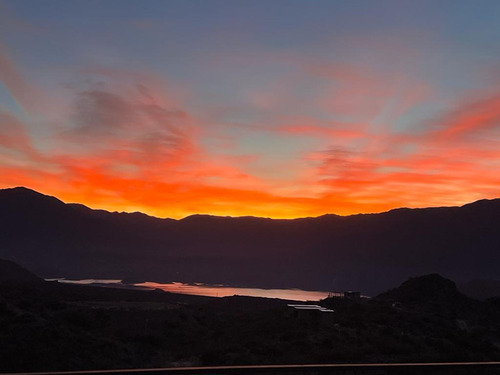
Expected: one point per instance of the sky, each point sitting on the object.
(268, 108)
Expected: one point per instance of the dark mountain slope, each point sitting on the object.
(430, 292)
(11, 273)
(364, 252)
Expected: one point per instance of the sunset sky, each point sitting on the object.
(267, 108)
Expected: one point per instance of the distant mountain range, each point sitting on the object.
(368, 252)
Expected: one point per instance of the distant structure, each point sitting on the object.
(308, 312)
(346, 295)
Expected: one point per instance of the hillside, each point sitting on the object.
(360, 252)
(430, 292)
(12, 273)
(57, 327)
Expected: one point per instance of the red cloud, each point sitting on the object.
(471, 118)
(131, 144)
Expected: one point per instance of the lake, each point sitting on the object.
(201, 289)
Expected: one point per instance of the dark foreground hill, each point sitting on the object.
(12, 273)
(429, 292)
(49, 326)
(361, 252)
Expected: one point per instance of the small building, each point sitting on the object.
(350, 295)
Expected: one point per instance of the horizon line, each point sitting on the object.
(244, 216)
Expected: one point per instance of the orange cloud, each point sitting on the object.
(130, 142)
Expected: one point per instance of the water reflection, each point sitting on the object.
(226, 291)
(201, 289)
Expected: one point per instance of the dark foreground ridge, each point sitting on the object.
(369, 253)
(48, 326)
(12, 273)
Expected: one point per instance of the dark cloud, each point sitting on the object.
(135, 124)
(101, 112)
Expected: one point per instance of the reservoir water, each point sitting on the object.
(201, 289)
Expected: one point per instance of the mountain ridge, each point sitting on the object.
(23, 189)
(12, 273)
(366, 252)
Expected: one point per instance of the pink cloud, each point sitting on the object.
(13, 137)
(472, 117)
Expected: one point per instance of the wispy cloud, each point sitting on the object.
(290, 135)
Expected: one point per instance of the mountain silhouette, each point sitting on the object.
(428, 291)
(12, 273)
(366, 252)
